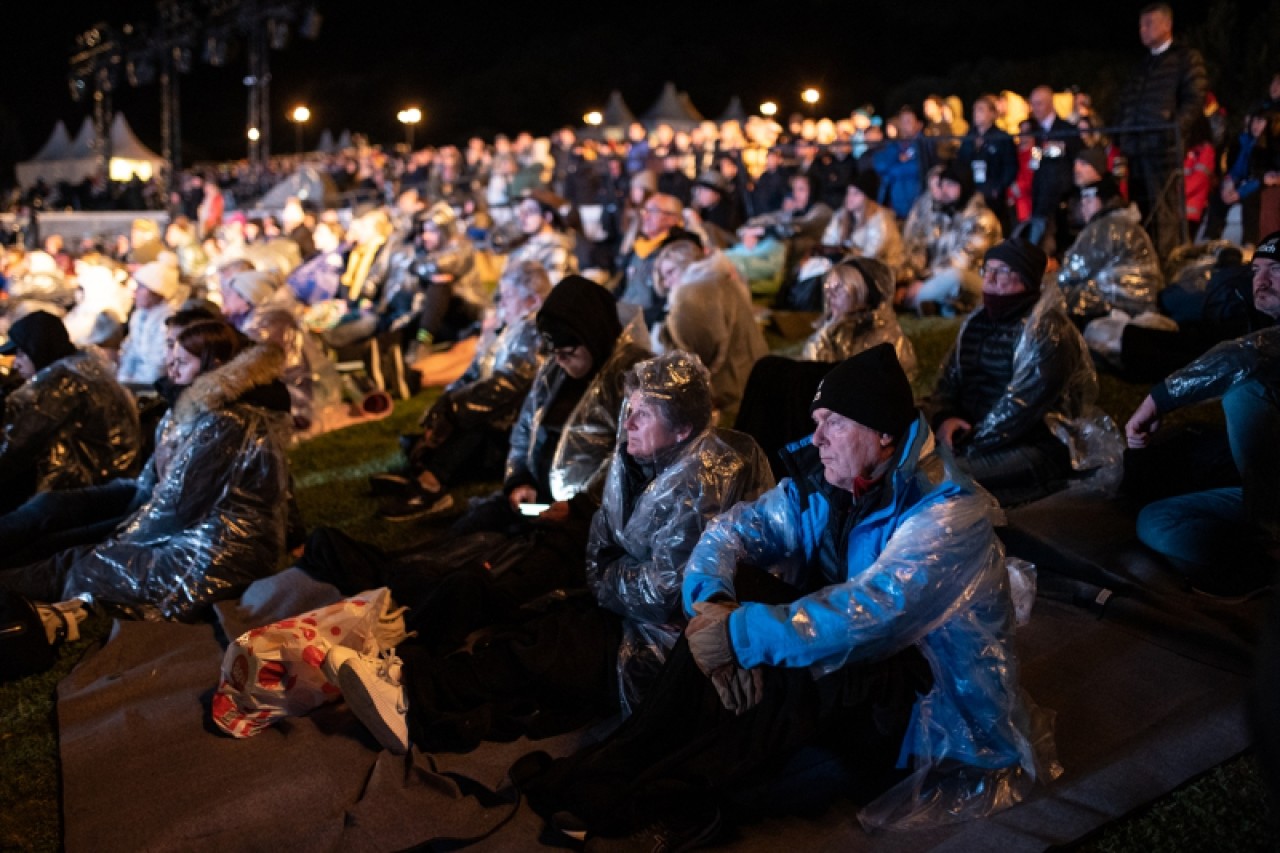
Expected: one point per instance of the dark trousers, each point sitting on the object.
(544, 671)
(1153, 185)
(53, 521)
(1023, 472)
(682, 753)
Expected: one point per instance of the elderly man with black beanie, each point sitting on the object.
(70, 425)
(1018, 370)
(882, 627)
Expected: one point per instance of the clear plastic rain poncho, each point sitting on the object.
(581, 455)
(1255, 356)
(652, 514)
(1053, 381)
(935, 240)
(1112, 264)
(861, 328)
(215, 518)
(76, 421)
(926, 570)
(489, 394)
(1190, 267)
(278, 322)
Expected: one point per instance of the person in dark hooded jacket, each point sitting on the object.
(70, 425)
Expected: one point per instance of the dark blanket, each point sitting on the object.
(143, 768)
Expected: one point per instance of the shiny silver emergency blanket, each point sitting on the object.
(844, 336)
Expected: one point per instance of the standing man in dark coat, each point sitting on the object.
(1056, 146)
(1168, 87)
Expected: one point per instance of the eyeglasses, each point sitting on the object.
(657, 211)
(1002, 275)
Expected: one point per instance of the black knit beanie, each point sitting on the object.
(870, 388)
(42, 337)
(1023, 257)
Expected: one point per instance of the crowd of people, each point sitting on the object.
(824, 572)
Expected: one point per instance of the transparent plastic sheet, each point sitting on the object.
(710, 315)
(1054, 381)
(586, 440)
(215, 519)
(458, 259)
(554, 251)
(1190, 267)
(76, 421)
(277, 323)
(934, 240)
(929, 573)
(1022, 588)
(1254, 356)
(491, 391)
(1112, 264)
(877, 238)
(642, 537)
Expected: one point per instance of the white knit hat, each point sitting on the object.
(160, 277)
(253, 286)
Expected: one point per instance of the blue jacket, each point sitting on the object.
(923, 567)
(901, 180)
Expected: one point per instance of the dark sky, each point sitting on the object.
(473, 67)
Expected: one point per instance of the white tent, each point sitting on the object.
(61, 159)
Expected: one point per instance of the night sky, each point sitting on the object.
(473, 68)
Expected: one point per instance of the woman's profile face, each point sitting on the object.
(182, 366)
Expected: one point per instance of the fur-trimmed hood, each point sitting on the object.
(258, 365)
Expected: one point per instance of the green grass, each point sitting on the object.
(1226, 809)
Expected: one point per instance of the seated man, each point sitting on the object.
(471, 420)
(579, 658)
(884, 628)
(1226, 541)
(1113, 263)
(448, 298)
(1016, 383)
(70, 424)
(661, 223)
(949, 229)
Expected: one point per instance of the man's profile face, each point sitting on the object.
(575, 361)
(1154, 29)
(1266, 286)
(1041, 104)
(847, 448)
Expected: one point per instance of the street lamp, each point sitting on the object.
(810, 96)
(254, 135)
(769, 109)
(300, 116)
(409, 118)
(593, 118)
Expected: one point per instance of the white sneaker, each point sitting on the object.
(333, 661)
(371, 687)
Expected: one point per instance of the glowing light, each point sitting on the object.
(593, 118)
(300, 114)
(810, 96)
(254, 135)
(768, 108)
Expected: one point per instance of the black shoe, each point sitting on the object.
(389, 484)
(417, 505)
(668, 836)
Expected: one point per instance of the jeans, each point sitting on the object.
(1222, 535)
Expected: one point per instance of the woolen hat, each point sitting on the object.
(1095, 157)
(1024, 258)
(253, 286)
(713, 180)
(870, 388)
(160, 277)
(43, 338)
(868, 183)
(1269, 248)
(1104, 190)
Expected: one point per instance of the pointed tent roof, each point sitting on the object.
(325, 145)
(733, 112)
(125, 143)
(669, 109)
(344, 141)
(82, 145)
(57, 145)
(616, 111)
(687, 103)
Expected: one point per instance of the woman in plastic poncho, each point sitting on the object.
(218, 490)
(858, 314)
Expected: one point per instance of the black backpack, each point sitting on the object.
(24, 646)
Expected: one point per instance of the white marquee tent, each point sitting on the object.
(72, 160)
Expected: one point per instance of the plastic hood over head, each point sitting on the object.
(838, 338)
